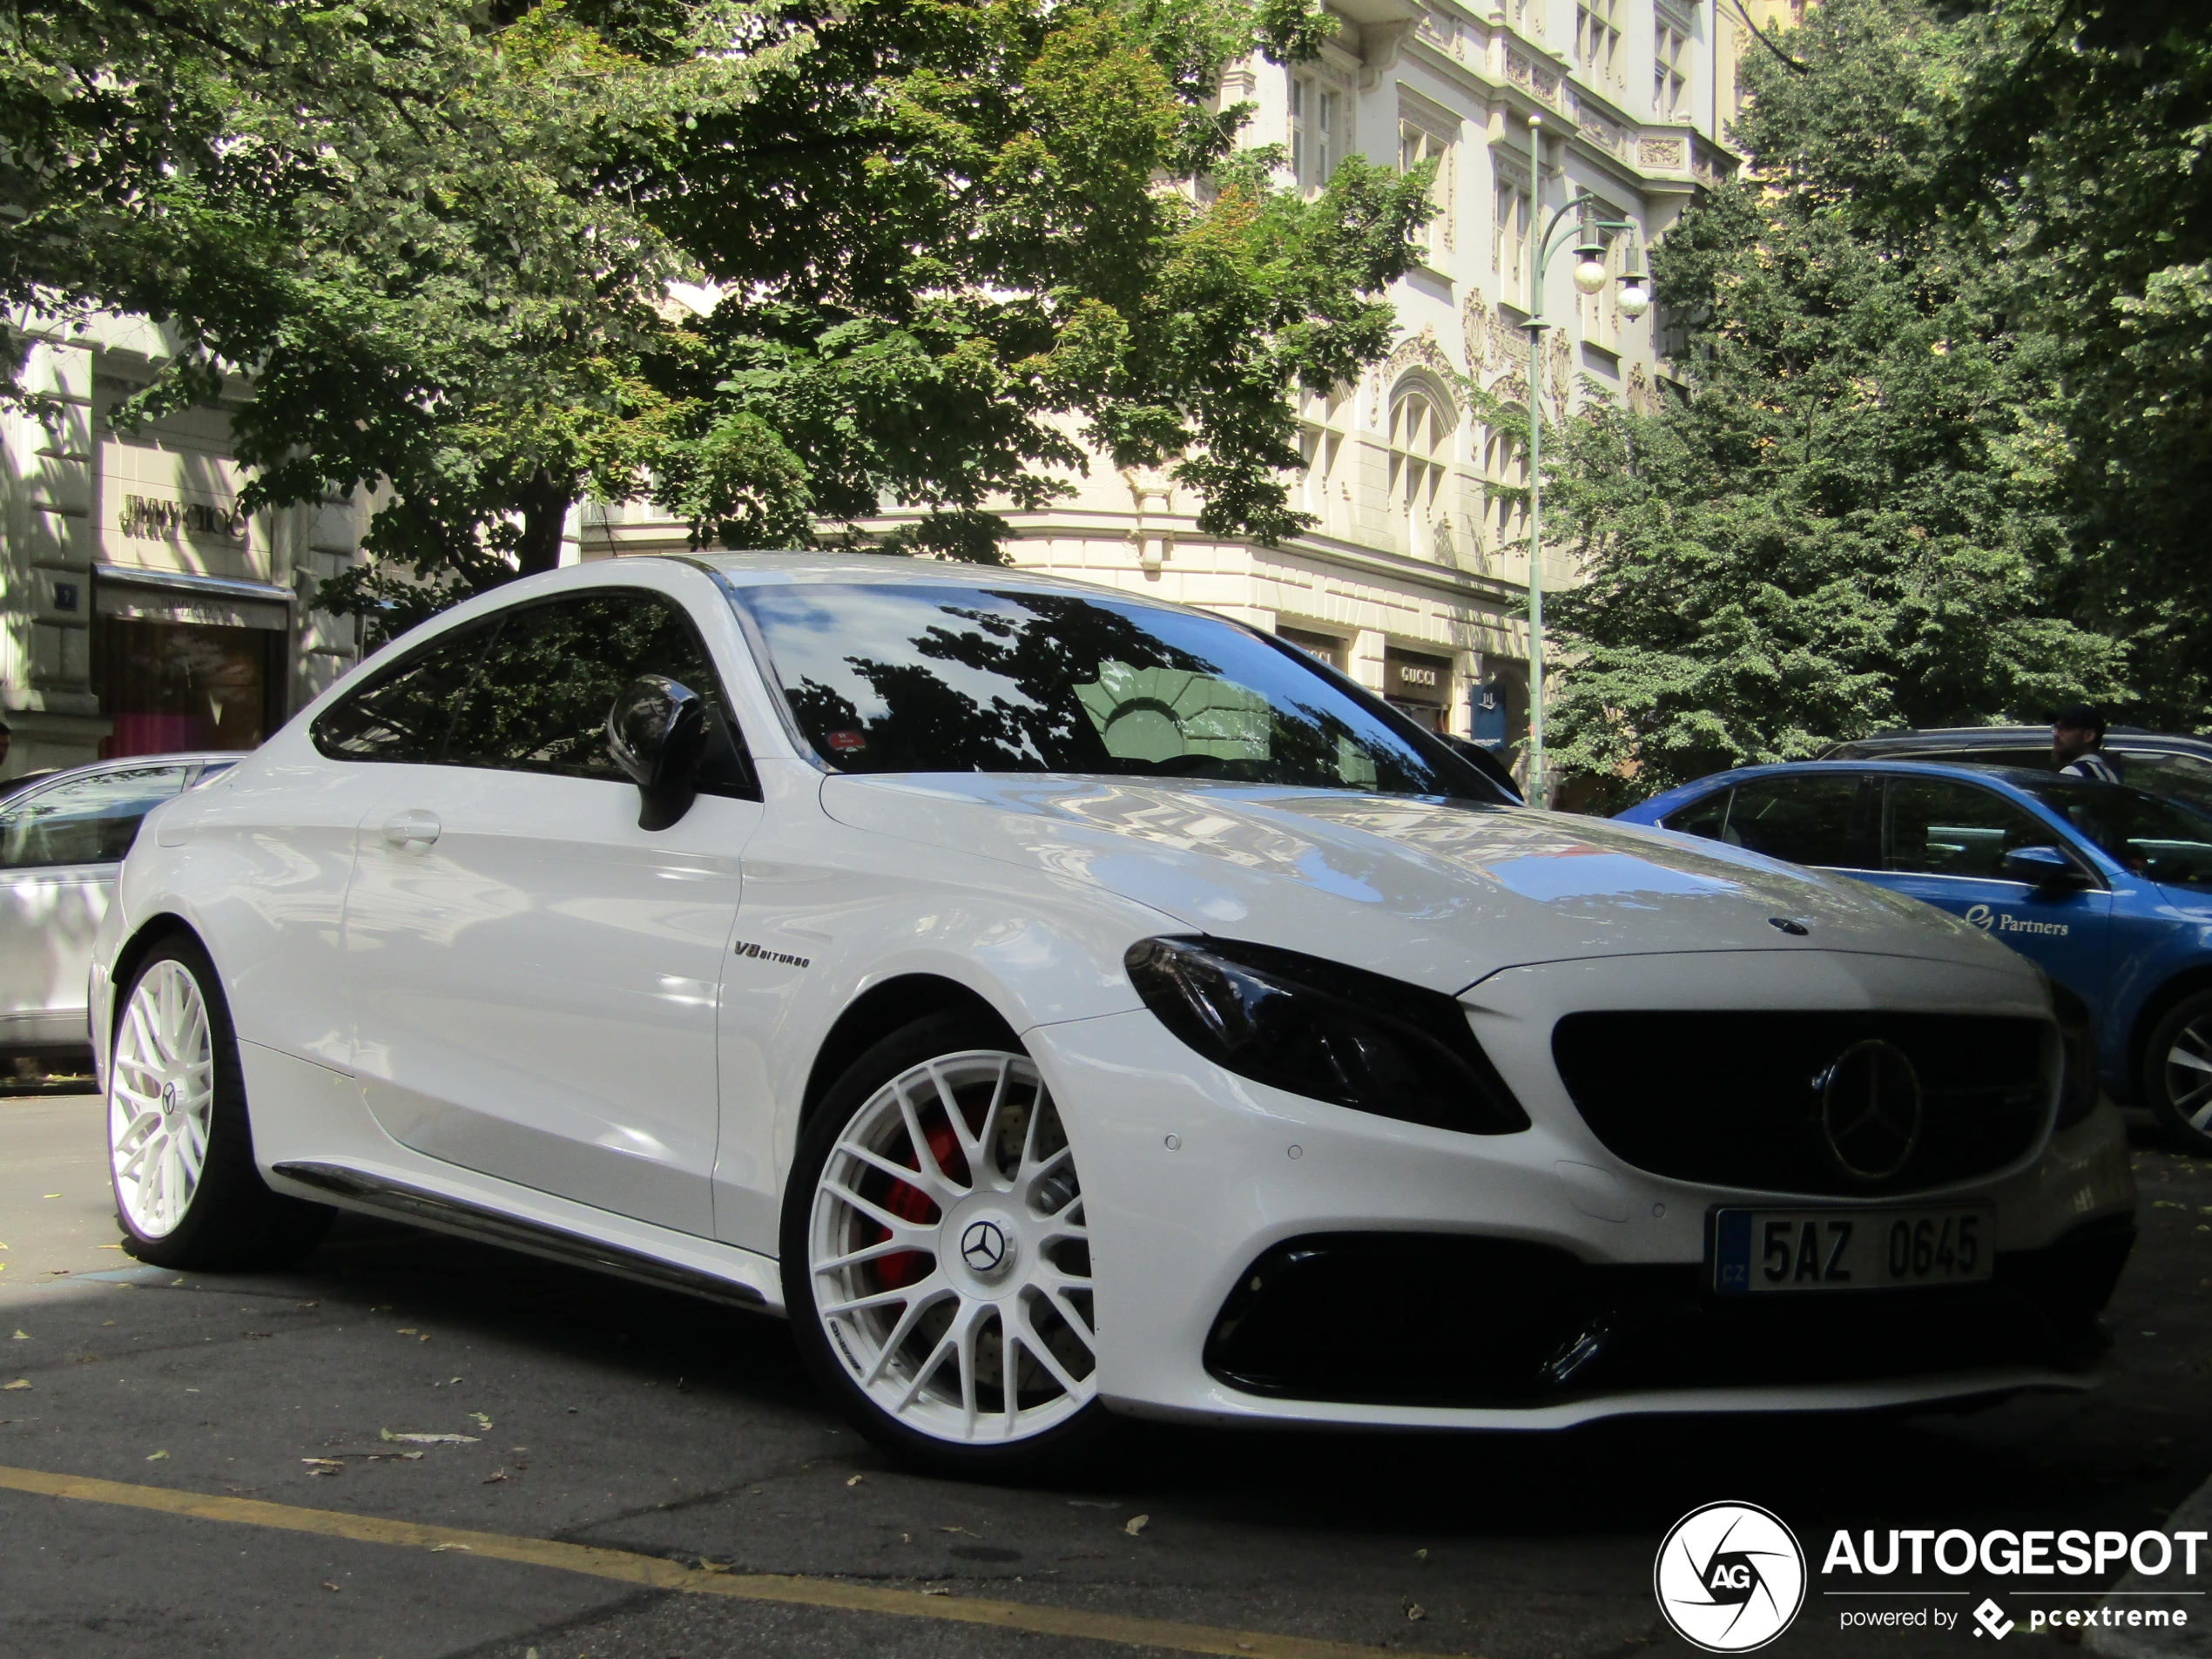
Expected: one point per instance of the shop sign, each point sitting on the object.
(153, 519)
(1409, 679)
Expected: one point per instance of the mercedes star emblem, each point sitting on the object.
(983, 1246)
(1870, 1110)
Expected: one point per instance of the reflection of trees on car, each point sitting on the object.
(1026, 682)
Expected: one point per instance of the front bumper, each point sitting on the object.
(1192, 1177)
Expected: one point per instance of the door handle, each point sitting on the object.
(415, 828)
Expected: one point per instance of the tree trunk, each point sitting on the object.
(546, 501)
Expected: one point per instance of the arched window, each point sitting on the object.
(1421, 423)
(1505, 469)
(1320, 441)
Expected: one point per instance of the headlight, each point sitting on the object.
(1326, 1031)
(2078, 1086)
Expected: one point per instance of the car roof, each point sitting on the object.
(741, 569)
(202, 758)
(2123, 738)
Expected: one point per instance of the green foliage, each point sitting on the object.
(1855, 519)
(938, 246)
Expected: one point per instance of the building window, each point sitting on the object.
(1417, 143)
(1669, 85)
(1510, 213)
(1420, 430)
(1597, 38)
(1505, 480)
(1317, 116)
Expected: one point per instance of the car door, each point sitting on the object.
(61, 845)
(1943, 841)
(534, 978)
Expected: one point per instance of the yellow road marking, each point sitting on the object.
(656, 1573)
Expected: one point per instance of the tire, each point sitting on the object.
(2177, 1073)
(180, 1147)
(914, 1346)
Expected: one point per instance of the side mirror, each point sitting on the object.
(2042, 866)
(656, 732)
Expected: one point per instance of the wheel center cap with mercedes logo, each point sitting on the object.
(1870, 1110)
(986, 1247)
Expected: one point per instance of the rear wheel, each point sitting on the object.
(180, 1146)
(2177, 1073)
(937, 1256)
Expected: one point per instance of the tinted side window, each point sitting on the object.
(92, 820)
(1708, 818)
(541, 700)
(1936, 827)
(403, 714)
(1807, 819)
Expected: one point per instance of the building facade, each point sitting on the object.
(140, 611)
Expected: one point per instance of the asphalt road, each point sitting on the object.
(619, 1438)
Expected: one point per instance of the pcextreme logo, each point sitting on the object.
(1730, 1577)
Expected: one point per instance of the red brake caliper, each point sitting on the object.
(910, 1203)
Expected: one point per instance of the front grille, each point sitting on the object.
(1430, 1319)
(1734, 1100)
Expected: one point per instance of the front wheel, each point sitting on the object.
(937, 1259)
(2177, 1073)
(180, 1147)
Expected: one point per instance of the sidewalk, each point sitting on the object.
(57, 1208)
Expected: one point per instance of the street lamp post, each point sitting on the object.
(1589, 278)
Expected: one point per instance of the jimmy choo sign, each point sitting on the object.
(153, 519)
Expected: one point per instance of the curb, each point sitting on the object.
(2194, 1515)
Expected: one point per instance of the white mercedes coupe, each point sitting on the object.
(1060, 1004)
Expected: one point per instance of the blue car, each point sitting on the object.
(2108, 887)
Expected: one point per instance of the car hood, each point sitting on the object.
(1440, 894)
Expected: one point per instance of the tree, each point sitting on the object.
(2087, 125)
(942, 245)
(1856, 518)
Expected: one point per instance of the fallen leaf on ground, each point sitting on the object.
(1414, 1610)
(428, 1439)
(155, 1457)
(936, 1591)
(439, 1550)
(20, 1382)
(961, 1529)
(495, 1477)
(406, 1331)
(706, 1566)
(1421, 1555)
(1137, 1524)
(480, 1421)
(854, 1481)
(107, 1247)
(324, 1462)
(50, 1195)
(329, 1585)
(23, 1336)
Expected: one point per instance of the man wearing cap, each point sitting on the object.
(2077, 744)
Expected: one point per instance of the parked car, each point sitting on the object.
(61, 841)
(2163, 762)
(2105, 887)
(1060, 1003)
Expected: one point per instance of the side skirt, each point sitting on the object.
(382, 1196)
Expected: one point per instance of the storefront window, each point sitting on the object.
(169, 685)
(1420, 687)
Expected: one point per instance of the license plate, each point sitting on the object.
(1757, 1251)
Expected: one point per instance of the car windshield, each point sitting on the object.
(890, 679)
(2164, 840)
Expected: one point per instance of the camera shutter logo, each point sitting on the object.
(1730, 1577)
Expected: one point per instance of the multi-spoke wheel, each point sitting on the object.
(2177, 1073)
(160, 1098)
(179, 1143)
(936, 1258)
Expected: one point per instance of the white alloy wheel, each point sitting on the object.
(2188, 1074)
(161, 1098)
(948, 1255)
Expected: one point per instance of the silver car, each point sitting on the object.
(62, 841)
